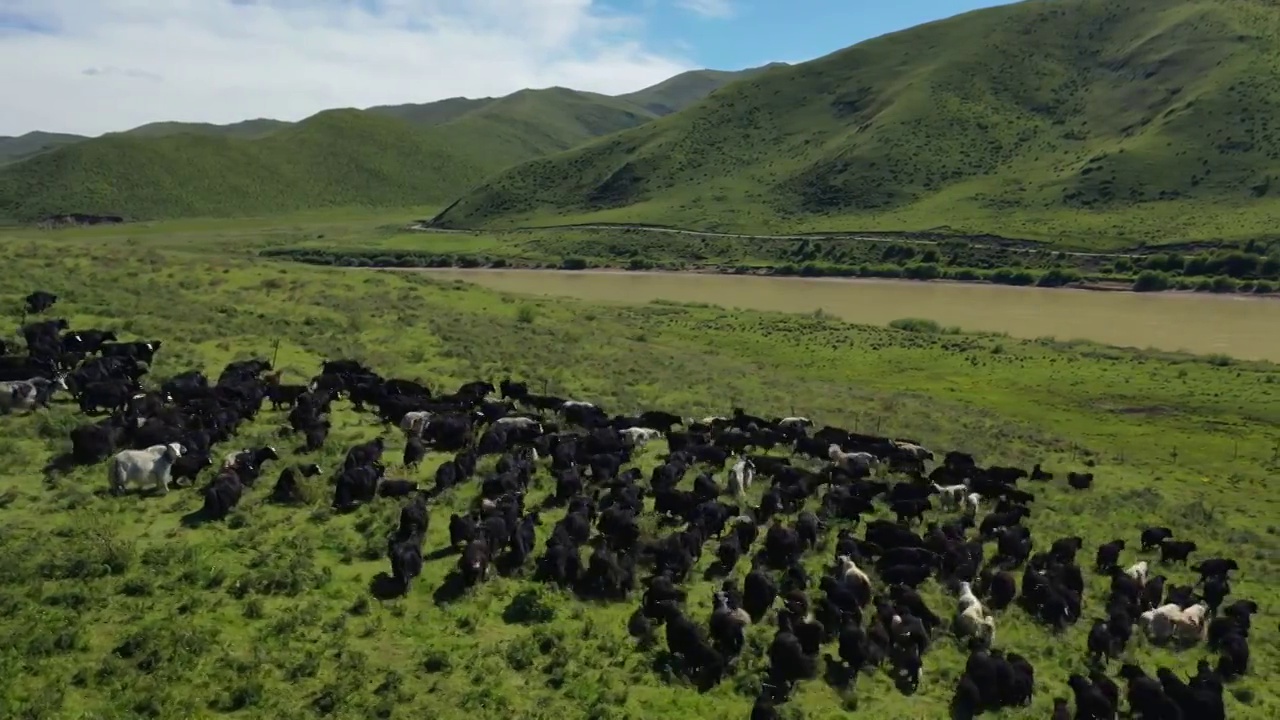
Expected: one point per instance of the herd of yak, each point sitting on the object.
(818, 487)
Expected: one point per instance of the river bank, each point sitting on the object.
(1237, 325)
(1094, 286)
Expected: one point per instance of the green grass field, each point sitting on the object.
(1098, 122)
(113, 609)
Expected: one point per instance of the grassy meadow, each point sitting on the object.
(113, 608)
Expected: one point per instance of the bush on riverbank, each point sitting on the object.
(1148, 280)
(1151, 281)
(922, 325)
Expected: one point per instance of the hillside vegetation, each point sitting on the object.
(677, 93)
(17, 148)
(260, 127)
(386, 156)
(1113, 119)
(336, 158)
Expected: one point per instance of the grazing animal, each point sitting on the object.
(28, 394)
(1080, 481)
(951, 496)
(415, 422)
(1176, 550)
(1108, 555)
(287, 489)
(638, 436)
(858, 464)
(1138, 571)
(1153, 536)
(39, 301)
(139, 466)
(740, 476)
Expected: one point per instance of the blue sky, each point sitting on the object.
(94, 66)
(732, 34)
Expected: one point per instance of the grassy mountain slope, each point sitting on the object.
(16, 148)
(557, 118)
(386, 156)
(1135, 121)
(677, 93)
(339, 157)
(260, 127)
(432, 113)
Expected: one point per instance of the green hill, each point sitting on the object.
(260, 127)
(336, 158)
(677, 93)
(557, 118)
(17, 148)
(384, 156)
(1095, 121)
(433, 113)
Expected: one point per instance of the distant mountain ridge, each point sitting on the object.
(397, 155)
(1090, 120)
(668, 96)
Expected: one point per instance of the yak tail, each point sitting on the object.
(114, 476)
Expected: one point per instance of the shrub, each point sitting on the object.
(1223, 284)
(1009, 276)
(922, 271)
(574, 263)
(916, 325)
(526, 314)
(1057, 277)
(1151, 281)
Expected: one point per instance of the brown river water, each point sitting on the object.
(1240, 326)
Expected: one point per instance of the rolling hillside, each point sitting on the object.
(432, 113)
(260, 127)
(17, 148)
(385, 156)
(336, 158)
(1095, 121)
(677, 93)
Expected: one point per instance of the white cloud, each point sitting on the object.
(708, 8)
(102, 65)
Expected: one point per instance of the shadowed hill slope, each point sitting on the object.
(1104, 120)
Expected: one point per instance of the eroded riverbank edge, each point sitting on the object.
(1080, 287)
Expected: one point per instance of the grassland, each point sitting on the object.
(112, 608)
(1103, 122)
